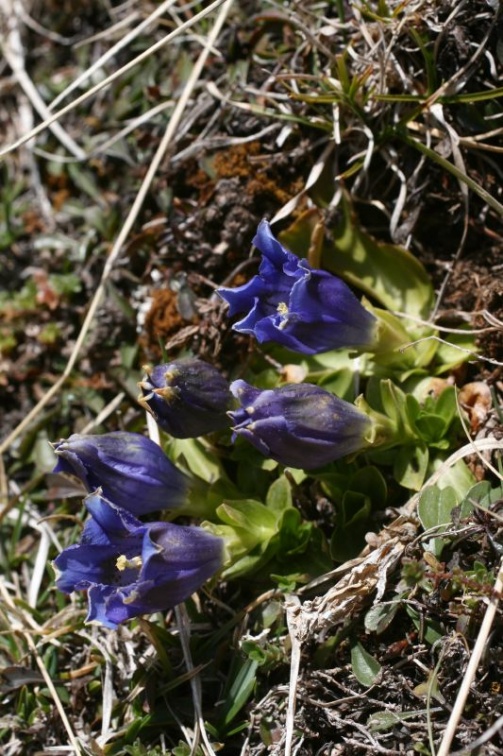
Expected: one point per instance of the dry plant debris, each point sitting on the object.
(142, 145)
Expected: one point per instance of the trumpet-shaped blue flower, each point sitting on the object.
(187, 397)
(299, 425)
(130, 568)
(305, 309)
(132, 470)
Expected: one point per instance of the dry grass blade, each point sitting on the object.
(27, 634)
(14, 55)
(139, 58)
(292, 606)
(126, 228)
(469, 677)
(126, 40)
(462, 177)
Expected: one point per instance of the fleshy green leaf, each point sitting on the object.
(366, 669)
(199, 459)
(279, 495)
(410, 466)
(251, 516)
(381, 615)
(435, 507)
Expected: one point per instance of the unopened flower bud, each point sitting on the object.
(187, 397)
(131, 470)
(299, 425)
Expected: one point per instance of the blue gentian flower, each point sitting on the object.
(187, 397)
(299, 425)
(130, 568)
(132, 470)
(302, 308)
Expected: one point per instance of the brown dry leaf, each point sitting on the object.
(476, 400)
(367, 574)
(46, 295)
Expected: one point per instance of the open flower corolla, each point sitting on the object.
(302, 308)
(299, 425)
(131, 470)
(130, 568)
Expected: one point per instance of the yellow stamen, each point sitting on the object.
(123, 562)
(282, 309)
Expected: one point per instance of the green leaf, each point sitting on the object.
(365, 492)
(249, 515)
(368, 480)
(430, 630)
(86, 182)
(353, 521)
(182, 749)
(288, 583)
(247, 564)
(380, 721)
(279, 495)
(453, 350)
(431, 427)
(240, 684)
(200, 460)
(436, 504)
(294, 534)
(401, 408)
(410, 466)
(381, 615)
(248, 530)
(446, 404)
(366, 669)
(482, 494)
(435, 507)
(460, 478)
(399, 348)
